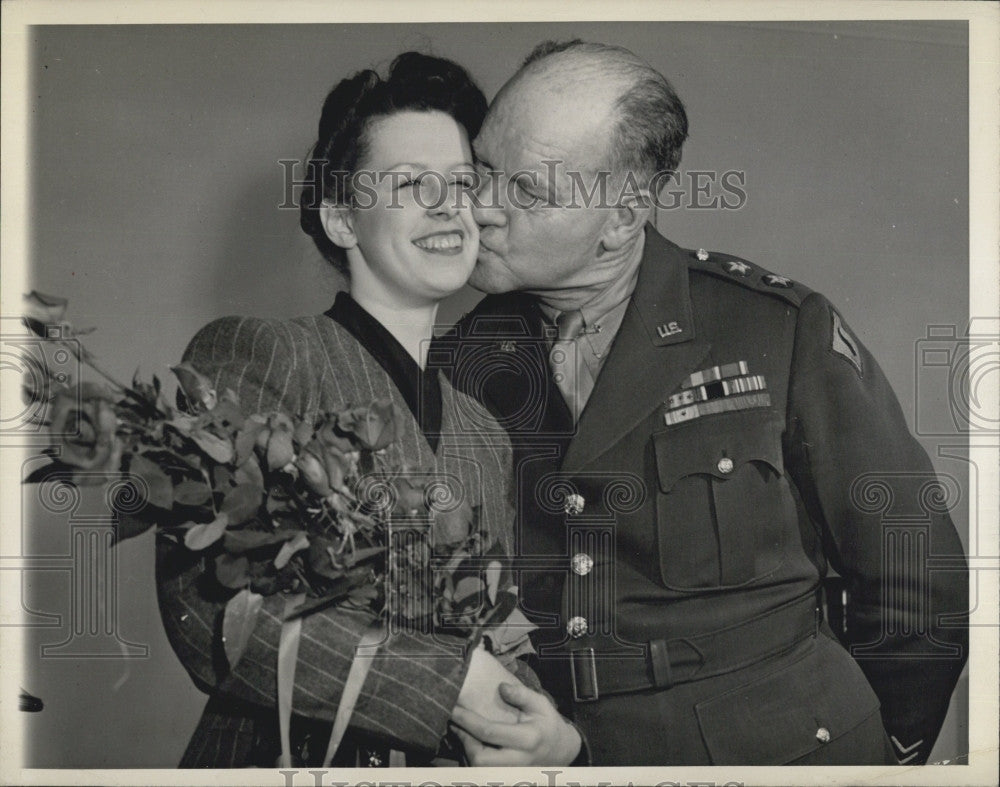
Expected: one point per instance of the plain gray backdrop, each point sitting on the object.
(156, 182)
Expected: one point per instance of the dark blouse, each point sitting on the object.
(420, 389)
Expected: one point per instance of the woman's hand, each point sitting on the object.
(538, 736)
(481, 690)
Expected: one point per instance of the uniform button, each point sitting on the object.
(725, 465)
(582, 563)
(823, 735)
(576, 627)
(573, 504)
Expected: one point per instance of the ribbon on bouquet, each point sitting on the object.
(364, 655)
(288, 652)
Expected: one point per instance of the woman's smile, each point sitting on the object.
(442, 242)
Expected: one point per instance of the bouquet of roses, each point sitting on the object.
(276, 502)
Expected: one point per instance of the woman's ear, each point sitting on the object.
(338, 225)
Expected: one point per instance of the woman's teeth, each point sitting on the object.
(452, 240)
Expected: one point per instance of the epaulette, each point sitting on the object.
(740, 271)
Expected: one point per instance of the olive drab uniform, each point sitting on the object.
(738, 441)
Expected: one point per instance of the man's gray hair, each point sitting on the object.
(652, 124)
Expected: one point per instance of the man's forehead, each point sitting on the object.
(530, 126)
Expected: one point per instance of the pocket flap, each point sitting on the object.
(703, 445)
(788, 713)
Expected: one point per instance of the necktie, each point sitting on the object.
(569, 371)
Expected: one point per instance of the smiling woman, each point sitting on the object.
(411, 243)
(403, 255)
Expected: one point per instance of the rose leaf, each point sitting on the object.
(220, 450)
(232, 571)
(242, 502)
(289, 548)
(160, 489)
(238, 623)
(199, 537)
(192, 493)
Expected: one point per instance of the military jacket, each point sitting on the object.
(739, 441)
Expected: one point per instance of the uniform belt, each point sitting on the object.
(668, 662)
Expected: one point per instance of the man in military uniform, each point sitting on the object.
(696, 441)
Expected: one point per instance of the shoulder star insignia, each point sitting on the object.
(773, 280)
(738, 267)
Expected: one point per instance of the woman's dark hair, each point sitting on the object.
(415, 82)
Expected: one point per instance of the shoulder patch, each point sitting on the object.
(748, 274)
(843, 344)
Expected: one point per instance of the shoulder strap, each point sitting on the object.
(748, 274)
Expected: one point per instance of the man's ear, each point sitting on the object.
(627, 220)
(338, 224)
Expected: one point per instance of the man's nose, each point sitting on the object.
(487, 206)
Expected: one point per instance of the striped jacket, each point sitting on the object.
(306, 366)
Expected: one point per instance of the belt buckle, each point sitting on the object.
(592, 665)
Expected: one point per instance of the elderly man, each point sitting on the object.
(696, 440)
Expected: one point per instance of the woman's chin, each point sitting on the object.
(453, 280)
(446, 291)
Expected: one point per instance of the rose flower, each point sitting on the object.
(84, 427)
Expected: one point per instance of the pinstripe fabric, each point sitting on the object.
(306, 366)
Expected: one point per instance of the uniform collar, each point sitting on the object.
(603, 303)
(654, 351)
(662, 296)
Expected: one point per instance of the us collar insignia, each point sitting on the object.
(666, 329)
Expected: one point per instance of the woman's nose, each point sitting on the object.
(444, 208)
(438, 199)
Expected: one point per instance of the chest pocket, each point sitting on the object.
(724, 510)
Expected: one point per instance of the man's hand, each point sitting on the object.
(540, 735)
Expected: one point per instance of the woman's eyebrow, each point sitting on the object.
(418, 167)
(407, 165)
